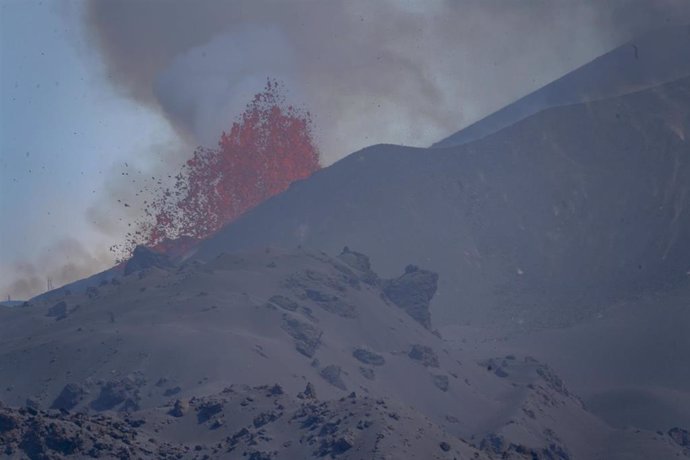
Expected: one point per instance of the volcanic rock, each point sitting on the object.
(144, 258)
(368, 357)
(307, 337)
(413, 292)
(332, 375)
(69, 397)
(680, 436)
(424, 354)
(58, 311)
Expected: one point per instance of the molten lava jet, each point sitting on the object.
(270, 146)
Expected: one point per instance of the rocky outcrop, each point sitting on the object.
(360, 263)
(413, 292)
(56, 435)
(208, 409)
(122, 394)
(71, 395)
(332, 374)
(680, 436)
(179, 409)
(323, 290)
(424, 355)
(144, 258)
(58, 311)
(307, 337)
(368, 357)
(308, 393)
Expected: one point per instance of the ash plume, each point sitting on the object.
(400, 72)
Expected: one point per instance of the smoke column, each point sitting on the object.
(406, 72)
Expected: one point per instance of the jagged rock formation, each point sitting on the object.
(413, 292)
(144, 258)
(361, 263)
(71, 395)
(239, 422)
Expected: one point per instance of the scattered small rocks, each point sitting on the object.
(265, 418)
(308, 393)
(552, 379)
(424, 354)
(92, 292)
(368, 357)
(208, 409)
(323, 290)
(680, 436)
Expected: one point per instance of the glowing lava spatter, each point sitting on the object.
(270, 146)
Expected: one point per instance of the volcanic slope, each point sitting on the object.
(536, 225)
(169, 357)
(652, 59)
(576, 214)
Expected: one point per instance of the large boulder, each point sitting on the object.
(69, 397)
(413, 292)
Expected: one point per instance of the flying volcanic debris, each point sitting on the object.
(270, 146)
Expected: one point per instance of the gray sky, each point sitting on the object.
(96, 97)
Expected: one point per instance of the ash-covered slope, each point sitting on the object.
(560, 223)
(656, 58)
(162, 345)
(535, 225)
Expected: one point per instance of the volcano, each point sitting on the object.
(516, 291)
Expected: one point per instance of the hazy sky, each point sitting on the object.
(95, 97)
(63, 129)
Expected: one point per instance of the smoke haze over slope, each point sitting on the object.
(399, 72)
